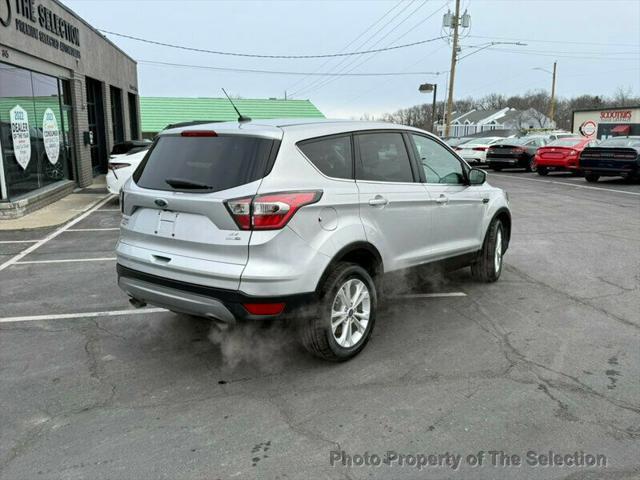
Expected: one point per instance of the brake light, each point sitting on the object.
(199, 133)
(480, 149)
(264, 308)
(116, 166)
(271, 211)
(457, 148)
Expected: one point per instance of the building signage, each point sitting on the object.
(51, 136)
(588, 128)
(615, 116)
(39, 22)
(20, 134)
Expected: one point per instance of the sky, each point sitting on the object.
(595, 42)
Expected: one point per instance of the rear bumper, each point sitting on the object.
(611, 169)
(507, 162)
(201, 300)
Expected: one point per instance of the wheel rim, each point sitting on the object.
(350, 313)
(497, 255)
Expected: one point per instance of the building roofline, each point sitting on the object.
(93, 29)
(630, 107)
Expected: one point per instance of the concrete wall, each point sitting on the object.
(99, 59)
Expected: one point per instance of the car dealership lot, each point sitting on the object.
(547, 358)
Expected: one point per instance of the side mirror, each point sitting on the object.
(477, 176)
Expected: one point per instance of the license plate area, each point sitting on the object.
(166, 223)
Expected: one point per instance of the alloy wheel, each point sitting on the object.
(350, 313)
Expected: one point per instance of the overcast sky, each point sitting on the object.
(596, 44)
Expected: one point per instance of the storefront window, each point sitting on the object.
(31, 131)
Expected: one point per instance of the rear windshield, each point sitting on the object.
(565, 142)
(620, 142)
(204, 163)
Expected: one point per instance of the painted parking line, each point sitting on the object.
(93, 229)
(67, 316)
(51, 236)
(18, 241)
(68, 260)
(430, 295)
(565, 183)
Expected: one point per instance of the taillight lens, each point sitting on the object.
(198, 133)
(271, 211)
(116, 166)
(573, 153)
(264, 308)
(480, 149)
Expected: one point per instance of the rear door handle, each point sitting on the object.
(378, 200)
(442, 199)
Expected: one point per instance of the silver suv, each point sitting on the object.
(299, 219)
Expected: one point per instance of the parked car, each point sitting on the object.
(617, 156)
(129, 146)
(455, 141)
(121, 167)
(562, 154)
(515, 153)
(475, 151)
(300, 220)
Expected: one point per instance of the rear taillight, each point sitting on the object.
(116, 166)
(199, 133)
(271, 211)
(480, 149)
(572, 153)
(457, 148)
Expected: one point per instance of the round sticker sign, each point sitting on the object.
(51, 136)
(588, 128)
(20, 135)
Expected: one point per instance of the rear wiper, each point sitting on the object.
(184, 183)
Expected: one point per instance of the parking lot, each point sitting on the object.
(546, 359)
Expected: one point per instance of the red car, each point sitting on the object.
(562, 154)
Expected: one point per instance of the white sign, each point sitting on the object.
(20, 134)
(51, 136)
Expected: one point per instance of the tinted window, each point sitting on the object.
(439, 164)
(383, 157)
(217, 162)
(332, 156)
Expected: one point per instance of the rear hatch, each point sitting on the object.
(608, 158)
(176, 222)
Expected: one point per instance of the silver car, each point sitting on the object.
(301, 219)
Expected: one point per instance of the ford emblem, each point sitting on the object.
(160, 202)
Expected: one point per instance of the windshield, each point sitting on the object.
(620, 142)
(566, 142)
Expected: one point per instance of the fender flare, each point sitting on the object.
(344, 251)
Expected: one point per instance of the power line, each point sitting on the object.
(281, 72)
(328, 60)
(341, 65)
(255, 55)
(533, 40)
(365, 60)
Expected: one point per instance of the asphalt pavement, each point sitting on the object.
(546, 359)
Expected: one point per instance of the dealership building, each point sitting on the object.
(67, 94)
(607, 122)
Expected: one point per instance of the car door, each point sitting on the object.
(394, 206)
(459, 207)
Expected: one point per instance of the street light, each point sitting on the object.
(425, 88)
(552, 107)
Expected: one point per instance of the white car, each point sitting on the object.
(475, 151)
(121, 167)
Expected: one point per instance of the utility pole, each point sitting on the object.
(552, 107)
(455, 22)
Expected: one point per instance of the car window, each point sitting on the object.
(332, 156)
(439, 164)
(383, 157)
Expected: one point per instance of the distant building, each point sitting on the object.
(477, 121)
(158, 112)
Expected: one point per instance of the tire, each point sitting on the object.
(543, 171)
(531, 166)
(591, 177)
(317, 334)
(488, 267)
